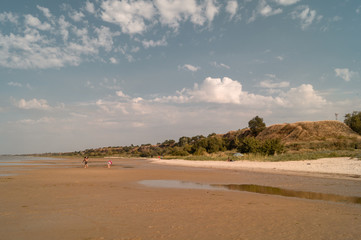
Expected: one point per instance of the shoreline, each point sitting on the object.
(329, 167)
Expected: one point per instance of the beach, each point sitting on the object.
(62, 200)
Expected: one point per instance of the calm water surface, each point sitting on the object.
(8, 161)
(252, 188)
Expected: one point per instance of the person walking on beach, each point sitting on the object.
(109, 163)
(85, 161)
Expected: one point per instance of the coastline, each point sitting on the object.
(342, 166)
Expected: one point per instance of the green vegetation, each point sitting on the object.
(354, 121)
(256, 125)
(256, 143)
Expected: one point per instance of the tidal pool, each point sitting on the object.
(252, 188)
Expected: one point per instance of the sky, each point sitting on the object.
(85, 74)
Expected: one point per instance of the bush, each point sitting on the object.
(267, 147)
(354, 121)
(272, 146)
(249, 145)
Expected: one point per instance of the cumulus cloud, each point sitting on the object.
(45, 11)
(306, 16)
(76, 16)
(303, 96)
(217, 90)
(9, 17)
(121, 94)
(89, 6)
(345, 73)
(228, 91)
(40, 104)
(231, 8)
(189, 67)
(36, 23)
(131, 16)
(211, 10)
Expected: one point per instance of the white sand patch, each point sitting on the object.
(343, 165)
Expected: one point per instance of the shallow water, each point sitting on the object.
(17, 158)
(8, 161)
(252, 188)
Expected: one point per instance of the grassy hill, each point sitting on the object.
(326, 137)
(313, 135)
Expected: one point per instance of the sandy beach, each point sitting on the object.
(62, 200)
(334, 167)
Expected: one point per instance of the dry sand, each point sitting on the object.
(69, 202)
(331, 166)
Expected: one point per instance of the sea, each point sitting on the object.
(15, 163)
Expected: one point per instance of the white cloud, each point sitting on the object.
(45, 11)
(30, 47)
(302, 97)
(40, 104)
(76, 16)
(33, 51)
(231, 8)
(345, 73)
(131, 16)
(217, 90)
(9, 17)
(38, 121)
(15, 84)
(189, 67)
(271, 84)
(151, 43)
(228, 91)
(265, 10)
(286, 2)
(211, 10)
(172, 12)
(113, 60)
(89, 7)
(36, 23)
(305, 15)
(121, 94)
(280, 58)
(220, 65)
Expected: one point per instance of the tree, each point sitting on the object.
(256, 125)
(354, 121)
(249, 145)
(183, 141)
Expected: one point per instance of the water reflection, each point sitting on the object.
(292, 193)
(252, 188)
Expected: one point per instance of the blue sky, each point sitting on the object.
(84, 74)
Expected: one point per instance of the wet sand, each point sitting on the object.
(65, 201)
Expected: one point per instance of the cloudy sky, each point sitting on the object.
(93, 73)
